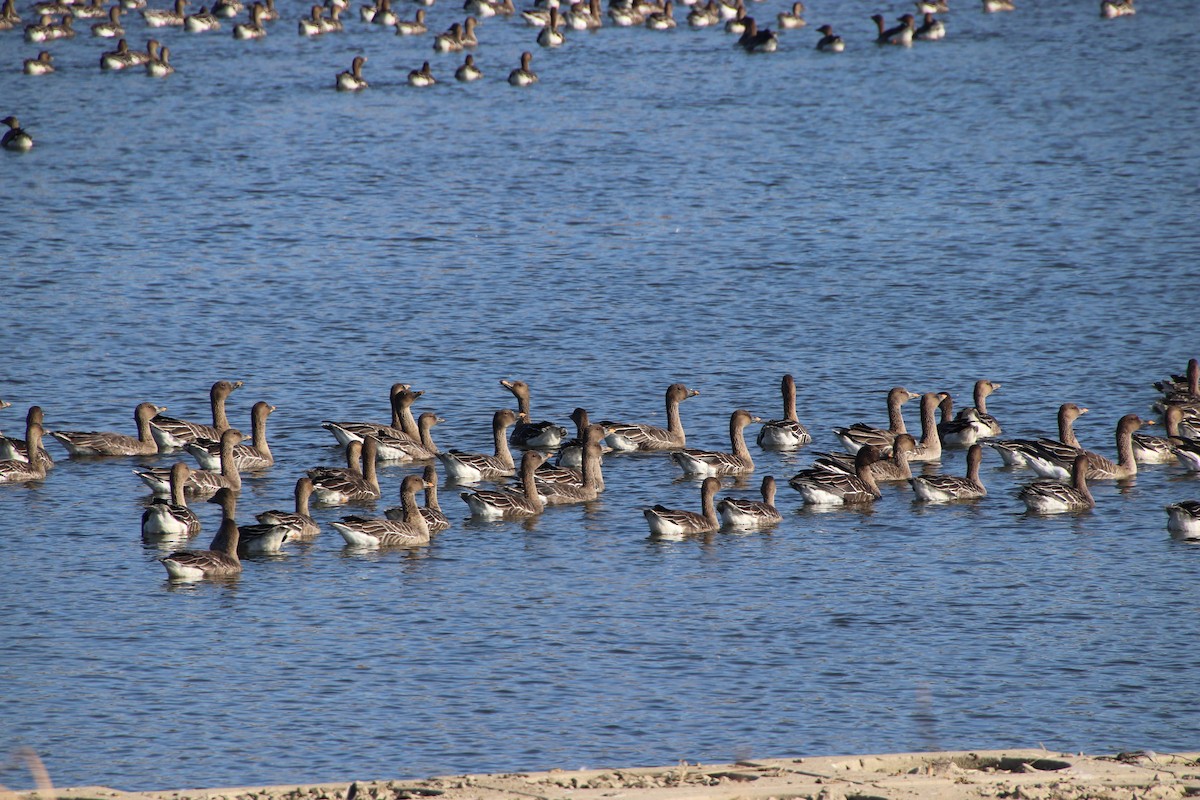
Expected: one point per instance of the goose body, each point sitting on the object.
(931, 29)
(961, 431)
(352, 80)
(929, 448)
(1111, 9)
(468, 72)
(821, 487)
(254, 29)
(1053, 497)
(340, 486)
(669, 523)
(708, 462)
(704, 16)
(12, 471)
(12, 449)
(410, 531)
(1149, 449)
(901, 34)
(948, 488)
(15, 138)
(994, 6)
(312, 24)
(202, 21)
(894, 468)
(829, 42)
(94, 443)
(299, 522)
(791, 20)
(472, 467)
(171, 517)
(570, 452)
(662, 20)
(1183, 519)
(162, 18)
(413, 27)
(490, 504)
(523, 75)
(160, 67)
(421, 77)
(400, 399)
(111, 28)
(200, 482)
(987, 425)
(403, 448)
(636, 436)
(858, 435)
(737, 513)
(431, 511)
(42, 65)
(786, 433)
(1188, 453)
(754, 40)
(1018, 452)
(218, 561)
(172, 434)
(256, 455)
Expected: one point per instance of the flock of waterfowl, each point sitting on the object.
(55, 21)
(873, 456)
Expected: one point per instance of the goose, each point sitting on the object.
(311, 25)
(299, 522)
(754, 40)
(228, 8)
(332, 23)
(160, 67)
(15, 138)
(484, 9)
(858, 435)
(932, 6)
(339, 486)
(670, 523)
(894, 468)
(708, 462)
(821, 487)
(42, 65)
(121, 58)
(584, 17)
(994, 6)
(162, 18)
(931, 30)
(353, 464)
(536, 17)
(93, 443)
(1188, 382)
(9, 16)
(1016, 452)
(1149, 449)
(375, 532)
(367, 13)
(13, 471)
(988, 425)
(449, 41)
(790, 20)
(570, 453)
(252, 540)
(526, 433)
(737, 23)
(1183, 519)
(94, 9)
(202, 21)
(704, 16)
(490, 504)
(901, 34)
(468, 71)
(961, 431)
(930, 446)
(467, 35)
(171, 517)
(662, 20)
(400, 398)
(222, 557)
(573, 476)
(111, 28)
(421, 77)
(431, 511)
(1185, 394)
(737, 513)
(948, 488)
(465, 467)
(625, 16)
(1187, 450)
(413, 27)
(630, 436)
(1052, 497)
(173, 434)
(786, 433)
(254, 29)
(12, 449)
(550, 35)
(202, 481)
(40, 31)
(256, 455)
(1050, 462)
(1111, 9)
(384, 14)
(397, 448)
(523, 75)
(731, 9)
(830, 42)
(591, 481)
(351, 80)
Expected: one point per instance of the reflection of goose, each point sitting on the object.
(736, 513)
(673, 522)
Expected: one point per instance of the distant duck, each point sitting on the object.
(160, 67)
(202, 21)
(468, 71)
(821, 487)
(736, 513)
(830, 42)
(93, 443)
(111, 28)
(671, 523)
(33, 469)
(662, 20)
(299, 521)
(256, 455)
(431, 511)
(449, 41)
(931, 29)
(948, 488)
(790, 20)
(220, 560)
(786, 433)
(527, 433)
(901, 34)
(1016, 452)
(352, 80)
(200, 481)
(1052, 497)
(413, 27)
(312, 24)
(42, 65)
(162, 18)
(471, 467)
(171, 517)
(708, 462)
(704, 16)
(550, 35)
(490, 504)
(754, 40)
(1183, 519)
(172, 433)
(993, 6)
(410, 531)
(523, 75)
(858, 435)
(254, 29)
(630, 436)
(421, 77)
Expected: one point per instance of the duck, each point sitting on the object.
(256, 455)
(202, 481)
(299, 521)
(1149, 449)
(1052, 497)
(830, 42)
(431, 511)
(1183, 519)
(901, 34)
(93, 443)
(13, 449)
(670, 523)
(531, 434)
(171, 517)
(410, 531)
(589, 485)
(352, 80)
(311, 25)
(929, 448)
(821, 487)
(403, 448)
(754, 40)
(625, 437)
(449, 41)
(42, 65)
(254, 29)
(948, 488)
(550, 35)
(988, 425)
(491, 504)
(709, 462)
(994, 6)
(34, 469)
(704, 16)
(202, 21)
(400, 399)
(736, 513)
(859, 435)
(523, 75)
(339, 486)
(464, 467)
(1016, 452)
(15, 138)
(172, 433)
(220, 560)
(931, 29)
(163, 18)
(662, 20)
(421, 77)
(253, 540)
(1053, 463)
(786, 433)
(790, 20)
(110, 28)
(894, 468)
(160, 67)
(468, 71)
(413, 27)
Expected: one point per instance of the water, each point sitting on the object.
(1017, 202)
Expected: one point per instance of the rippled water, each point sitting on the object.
(1017, 202)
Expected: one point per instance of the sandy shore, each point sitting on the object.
(980, 774)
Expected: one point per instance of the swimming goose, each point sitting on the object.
(570, 453)
(1188, 382)
(630, 436)
(171, 433)
(1051, 463)
(400, 399)
(201, 481)
(786, 433)
(48, 31)
(160, 67)
(961, 431)
(111, 28)
(162, 18)
(710, 462)
(256, 455)
(592, 434)
(1183, 519)
(367, 13)
(584, 17)
(1111, 9)
(625, 16)
(431, 511)
(13, 449)
(736, 513)
(523, 75)
(121, 58)
(488, 504)
(988, 425)
(352, 80)
(1149, 449)
(1016, 452)
(471, 467)
(930, 446)
(311, 25)
(254, 29)
(526, 433)
(591, 480)
(1185, 394)
(858, 435)
(13, 471)
(335, 487)
(384, 15)
(672, 522)
(42, 65)
(172, 517)
(353, 464)
(413, 27)
(402, 448)
(375, 532)
(754, 40)
(449, 41)
(93, 443)
(830, 42)
(932, 7)
(790, 20)
(704, 16)
(737, 24)
(202, 21)
(466, 35)
(222, 557)
(300, 523)
(931, 30)
(901, 34)
(948, 488)
(731, 9)
(550, 35)
(332, 23)
(1187, 450)
(894, 468)
(260, 539)
(421, 77)
(9, 18)
(1052, 497)
(662, 20)
(228, 8)
(821, 487)
(468, 71)
(993, 6)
